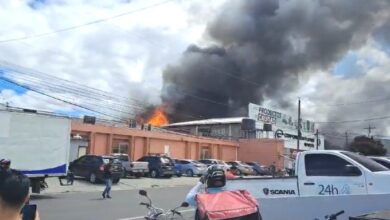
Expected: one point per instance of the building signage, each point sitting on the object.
(307, 141)
(280, 120)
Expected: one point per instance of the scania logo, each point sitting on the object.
(278, 191)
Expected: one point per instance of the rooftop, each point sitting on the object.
(234, 120)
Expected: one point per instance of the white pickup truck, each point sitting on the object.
(132, 168)
(325, 182)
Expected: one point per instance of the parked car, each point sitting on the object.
(260, 169)
(132, 168)
(240, 168)
(384, 161)
(177, 168)
(159, 166)
(190, 167)
(209, 162)
(92, 167)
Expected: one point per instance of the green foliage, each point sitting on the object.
(367, 146)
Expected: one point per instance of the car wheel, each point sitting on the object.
(178, 174)
(238, 172)
(168, 176)
(138, 175)
(116, 181)
(190, 173)
(154, 174)
(92, 178)
(199, 175)
(257, 173)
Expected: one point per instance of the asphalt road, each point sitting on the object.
(91, 206)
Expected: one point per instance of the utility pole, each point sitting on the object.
(317, 139)
(369, 129)
(299, 122)
(346, 139)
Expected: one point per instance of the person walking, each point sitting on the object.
(107, 175)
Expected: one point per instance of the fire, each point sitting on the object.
(158, 118)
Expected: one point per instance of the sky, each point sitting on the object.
(129, 55)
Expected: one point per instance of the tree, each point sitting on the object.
(367, 146)
(331, 146)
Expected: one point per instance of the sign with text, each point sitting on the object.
(281, 120)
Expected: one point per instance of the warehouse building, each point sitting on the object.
(105, 138)
(262, 133)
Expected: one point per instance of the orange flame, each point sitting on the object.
(158, 118)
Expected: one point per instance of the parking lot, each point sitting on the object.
(82, 185)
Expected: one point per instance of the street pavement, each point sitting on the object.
(123, 206)
(81, 185)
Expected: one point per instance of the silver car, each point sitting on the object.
(190, 167)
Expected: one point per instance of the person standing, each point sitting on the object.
(107, 175)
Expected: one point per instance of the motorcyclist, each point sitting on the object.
(5, 165)
(212, 182)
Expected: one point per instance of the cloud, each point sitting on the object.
(123, 56)
(262, 50)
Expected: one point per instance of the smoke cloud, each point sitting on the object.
(261, 48)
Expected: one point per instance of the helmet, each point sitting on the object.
(215, 176)
(5, 162)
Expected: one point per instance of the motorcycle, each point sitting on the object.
(155, 213)
(333, 216)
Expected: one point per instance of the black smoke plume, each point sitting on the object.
(260, 50)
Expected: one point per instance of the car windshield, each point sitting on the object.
(166, 160)
(366, 162)
(107, 160)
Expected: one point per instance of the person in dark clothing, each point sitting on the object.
(107, 175)
(5, 165)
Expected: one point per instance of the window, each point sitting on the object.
(82, 160)
(106, 160)
(96, 160)
(165, 160)
(120, 147)
(366, 162)
(123, 158)
(205, 153)
(326, 165)
(383, 162)
(184, 162)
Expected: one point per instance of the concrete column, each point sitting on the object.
(109, 144)
(146, 146)
(91, 146)
(197, 151)
(219, 150)
(187, 152)
(131, 147)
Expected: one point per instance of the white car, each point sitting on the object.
(385, 161)
(210, 162)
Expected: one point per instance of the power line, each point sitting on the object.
(58, 99)
(353, 121)
(85, 24)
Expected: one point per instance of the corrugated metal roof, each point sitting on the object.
(234, 120)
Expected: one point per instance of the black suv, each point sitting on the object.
(91, 167)
(159, 166)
